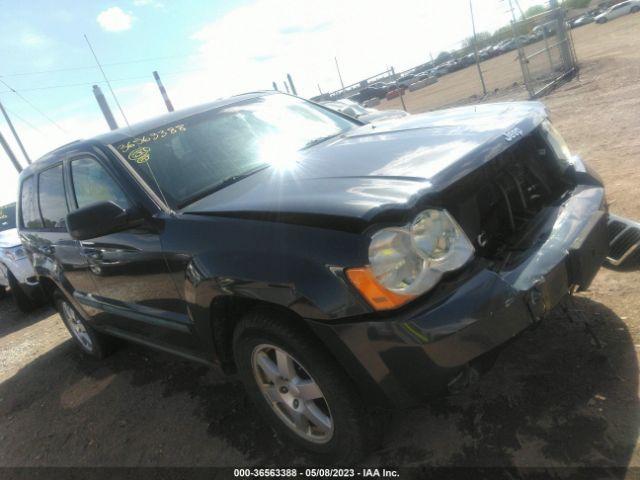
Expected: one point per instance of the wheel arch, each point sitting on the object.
(226, 311)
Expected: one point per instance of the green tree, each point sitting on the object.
(482, 38)
(576, 3)
(534, 10)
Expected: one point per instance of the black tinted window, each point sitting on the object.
(183, 161)
(29, 205)
(53, 204)
(92, 183)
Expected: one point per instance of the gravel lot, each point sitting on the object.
(560, 394)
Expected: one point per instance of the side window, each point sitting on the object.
(92, 183)
(53, 204)
(29, 205)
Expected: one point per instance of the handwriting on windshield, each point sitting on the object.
(150, 137)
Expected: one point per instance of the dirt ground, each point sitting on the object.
(561, 394)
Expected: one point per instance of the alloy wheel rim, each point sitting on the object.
(78, 329)
(292, 393)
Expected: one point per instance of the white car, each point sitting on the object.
(366, 115)
(16, 272)
(618, 10)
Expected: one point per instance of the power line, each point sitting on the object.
(92, 67)
(33, 106)
(84, 84)
(26, 122)
(107, 80)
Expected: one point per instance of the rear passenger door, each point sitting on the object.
(54, 253)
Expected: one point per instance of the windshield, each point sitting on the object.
(184, 161)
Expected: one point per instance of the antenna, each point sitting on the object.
(107, 80)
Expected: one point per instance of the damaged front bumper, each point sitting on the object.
(418, 350)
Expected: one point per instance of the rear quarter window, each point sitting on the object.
(30, 216)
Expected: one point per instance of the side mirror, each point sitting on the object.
(100, 218)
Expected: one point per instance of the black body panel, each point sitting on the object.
(284, 237)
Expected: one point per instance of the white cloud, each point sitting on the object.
(148, 3)
(34, 39)
(286, 36)
(114, 19)
(302, 38)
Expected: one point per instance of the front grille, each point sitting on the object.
(497, 204)
(624, 242)
(615, 228)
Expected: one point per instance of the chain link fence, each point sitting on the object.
(551, 58)
(524, 60)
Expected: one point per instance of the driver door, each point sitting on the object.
(135, 291)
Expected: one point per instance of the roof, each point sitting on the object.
(136, 129)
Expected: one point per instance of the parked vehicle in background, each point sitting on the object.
(368, 93)
(545, 30)
(405, 80)
(506, 45)
(366, 115)
(581, 20)
(618, 10)
(7, 216)
(336, 267)
(16, 272)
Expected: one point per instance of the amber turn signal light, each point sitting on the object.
(378, 297)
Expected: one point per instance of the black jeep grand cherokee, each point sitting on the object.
(334, 266)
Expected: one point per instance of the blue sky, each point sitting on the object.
(208, 49)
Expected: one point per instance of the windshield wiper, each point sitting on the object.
(220, 185)
(318, 140)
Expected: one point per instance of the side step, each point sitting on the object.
(624, 241)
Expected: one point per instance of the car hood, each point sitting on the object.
(377, 169)
(377, 116)
(9, 238)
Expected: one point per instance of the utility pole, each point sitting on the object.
(293, 87)
(15, 134)
(475, 49)
(339, 74)
(104, 106)
(104, 75)
(320, 90)
(163, 92)
(10, 154)
(286, 87)
(275, 86)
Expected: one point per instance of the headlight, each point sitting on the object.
(563, 153)
(410, 260)
(15, 253)
(556, 142)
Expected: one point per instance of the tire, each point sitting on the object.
(602, 20)
(635, 9)
(344, 435)
(24, 303)
(90, 341)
